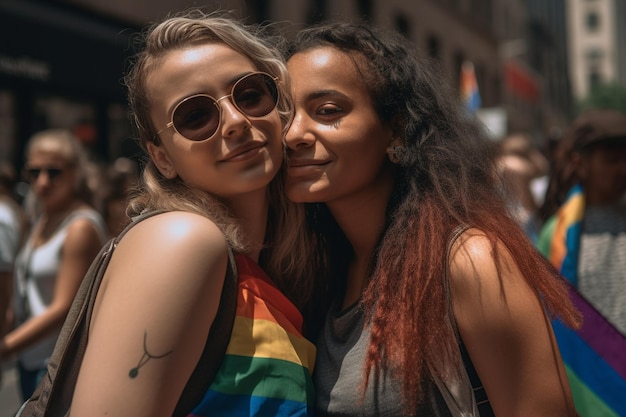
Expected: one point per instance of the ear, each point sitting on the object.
(162, 160)
(396, 141)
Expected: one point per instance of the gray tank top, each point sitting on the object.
(338, 375)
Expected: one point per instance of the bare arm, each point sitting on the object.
(81, 245)
(153, 313)
(506, 332)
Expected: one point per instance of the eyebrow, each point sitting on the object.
(323, 93)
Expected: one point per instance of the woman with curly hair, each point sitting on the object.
(434, 284)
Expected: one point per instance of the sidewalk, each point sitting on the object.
(9, 393)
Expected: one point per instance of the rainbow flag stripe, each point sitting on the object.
(268, 363)
(595, 354)
(469, 87)
(565, 240)
(595, 361)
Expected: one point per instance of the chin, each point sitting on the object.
(303, 194)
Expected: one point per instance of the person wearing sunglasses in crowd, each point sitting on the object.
(432, 280)
(65, 236)
(208, 95)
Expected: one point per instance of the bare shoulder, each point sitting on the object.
(476, 260)
(160, 294)
(181, 242)
(176, 228)
(82, 228)
(83, 238)
(470, 255)
(167, 258)
(503, 325)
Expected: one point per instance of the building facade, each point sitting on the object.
(596, 43)
(65, 62)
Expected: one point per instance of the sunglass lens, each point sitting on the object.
(33, 173)
(54, 173)
(256, 95)
(197, 118)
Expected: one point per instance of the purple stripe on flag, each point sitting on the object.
(601, 335)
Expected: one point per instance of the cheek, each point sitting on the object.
(276, 152)
(365, 156)
(274, 137)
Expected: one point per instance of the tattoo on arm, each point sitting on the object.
(145, 357)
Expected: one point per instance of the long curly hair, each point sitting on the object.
(447, 178)
(283, 256)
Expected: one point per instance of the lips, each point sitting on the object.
(244, 151)
(299, 163)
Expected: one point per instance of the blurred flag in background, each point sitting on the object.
(469, 87)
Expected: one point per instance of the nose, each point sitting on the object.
(234, 122)
(298, 135)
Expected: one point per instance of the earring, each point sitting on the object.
(396, 152)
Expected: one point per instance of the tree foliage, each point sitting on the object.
(605, 96)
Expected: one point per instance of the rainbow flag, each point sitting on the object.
(268, 363)
(469, 87)
(595, 354)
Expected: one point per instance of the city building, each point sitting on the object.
(596, 44)
(65, 60)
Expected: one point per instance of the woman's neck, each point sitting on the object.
(251, 210)
(362, 219)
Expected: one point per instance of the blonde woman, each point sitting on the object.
(209, 99)
(65, 236)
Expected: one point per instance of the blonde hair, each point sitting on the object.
(65, 144)
(285, 245)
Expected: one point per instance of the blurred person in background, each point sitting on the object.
(522, 167)
(65, 235)
(12, 224)
(587, 194)
(585, 239)
(119, 179)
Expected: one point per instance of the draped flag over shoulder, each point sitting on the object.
(594, 355)
(469, 87)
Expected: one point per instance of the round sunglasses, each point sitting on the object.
(32, 174)
(198, 117)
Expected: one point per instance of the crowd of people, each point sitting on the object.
(391, 259)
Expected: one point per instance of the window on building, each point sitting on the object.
(593, 21)
(595, 78)
(594, 54)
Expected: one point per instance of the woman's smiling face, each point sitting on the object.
(244, 154)
(336, 140)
